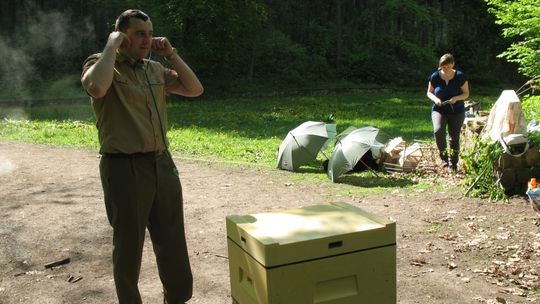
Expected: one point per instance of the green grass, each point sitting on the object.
(435, 228)
(243, 130)
(536, 291)
(60, 133)
(68, 86)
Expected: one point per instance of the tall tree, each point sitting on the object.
(339, 37)
(218, 37)
(521, 22)
(282, 42)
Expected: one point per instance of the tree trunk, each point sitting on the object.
(339, 38)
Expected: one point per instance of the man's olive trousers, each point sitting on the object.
(142, 191)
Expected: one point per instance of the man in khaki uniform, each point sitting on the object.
(140, 181)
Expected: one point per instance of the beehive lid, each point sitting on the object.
(308, 233)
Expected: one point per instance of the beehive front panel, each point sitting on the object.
(368, 276)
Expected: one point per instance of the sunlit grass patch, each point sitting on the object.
(242, 130)
(52, 132)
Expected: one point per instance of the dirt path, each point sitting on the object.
(450, 250)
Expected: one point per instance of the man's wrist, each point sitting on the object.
(174, 52)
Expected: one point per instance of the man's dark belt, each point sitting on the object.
(133, 155)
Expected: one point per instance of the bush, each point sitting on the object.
(531, 107)
(479, 167)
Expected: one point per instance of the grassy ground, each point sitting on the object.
(245, 130)
(233, 129)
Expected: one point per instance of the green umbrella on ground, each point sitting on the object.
(331, 130)
(350, 146)
(301, 145)
(345, 132)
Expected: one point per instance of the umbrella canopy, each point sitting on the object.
(331, 130)
(345, 132)
(351, 145)
(301, 145)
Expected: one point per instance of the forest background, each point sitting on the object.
(261, 45)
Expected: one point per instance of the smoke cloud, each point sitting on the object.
(6, 166)
(44, 48)
(15, 71)
(38, 60)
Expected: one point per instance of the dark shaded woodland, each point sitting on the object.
(271, 43)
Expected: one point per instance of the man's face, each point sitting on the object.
(140, 37)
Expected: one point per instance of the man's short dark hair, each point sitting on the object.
(122, 22)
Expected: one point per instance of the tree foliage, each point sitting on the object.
(521, 22)
(235, 44)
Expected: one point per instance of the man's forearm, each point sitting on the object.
(191, 86)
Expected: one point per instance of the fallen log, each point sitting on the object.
(57, 263)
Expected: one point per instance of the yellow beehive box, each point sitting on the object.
(322, 254)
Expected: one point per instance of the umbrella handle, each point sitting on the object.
(369, 168)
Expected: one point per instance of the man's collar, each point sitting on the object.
(123, 58)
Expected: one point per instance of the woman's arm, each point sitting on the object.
(464, 93)
(431, 95)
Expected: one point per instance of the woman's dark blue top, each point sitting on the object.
(446, 91)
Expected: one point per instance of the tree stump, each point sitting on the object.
(514, 172)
